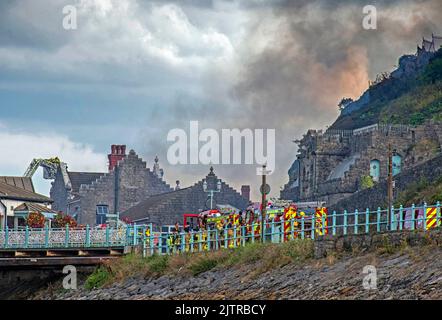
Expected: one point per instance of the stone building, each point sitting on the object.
(132, 190)
(90, 196)
(331, 165)
(168, 208)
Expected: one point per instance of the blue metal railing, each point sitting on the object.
(308, 227)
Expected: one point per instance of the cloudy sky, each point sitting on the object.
(134, 69)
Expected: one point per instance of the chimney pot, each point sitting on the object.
(118, 153)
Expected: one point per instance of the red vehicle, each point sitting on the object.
(190, 219)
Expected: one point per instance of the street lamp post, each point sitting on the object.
(212, 191)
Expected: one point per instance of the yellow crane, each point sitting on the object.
(49, 166)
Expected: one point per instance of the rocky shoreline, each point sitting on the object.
(412, 273)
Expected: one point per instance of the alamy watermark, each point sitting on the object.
(370, 281)
(231, 146)
(370, 20)
(69, 17)
(70, 281)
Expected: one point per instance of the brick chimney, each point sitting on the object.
(245, 192)
(118, 152)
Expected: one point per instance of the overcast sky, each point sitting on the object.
(135, 69)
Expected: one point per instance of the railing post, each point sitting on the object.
(191, 243)
(226, 236)
(183, 242)
(151, 240)
(356, 222)
(107, 236)
(313, 227)
(46, 236)
(367, 220)
(167, 243)
(208, 239)
(253, 232)
(216, 239)
(282, 233)
(392, 219)
(413, 212)
(26, 236)
(425, 217)
(243, 232)
(378, 220)
(302, 228)
(234, 236)
(272, 230)
(345, 222)
(6, 237)
(323, 224)
(66, 242)
(401, 218)
(200, 241)
(292, 227)
(334, 222)
(134, 242)
(438, 214)
(88, 236)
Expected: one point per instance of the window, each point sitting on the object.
(102, 211)
(375, 170)
(397, 164)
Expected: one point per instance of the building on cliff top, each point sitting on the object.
(408, 66)
(91, 197)
(331, 165)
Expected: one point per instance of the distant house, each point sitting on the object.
(18, 198)
(169, 208)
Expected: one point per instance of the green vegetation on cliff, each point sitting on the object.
(411, 100)
(419, 192)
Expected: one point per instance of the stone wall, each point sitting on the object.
(377, 196)
(329, 245)
(135, 183)
(59, 194)
(321, 154)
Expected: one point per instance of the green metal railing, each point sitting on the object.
(309, 227)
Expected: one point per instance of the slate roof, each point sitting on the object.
(167, 208)
(8, 191)
(140, 210)
(79, 178)
(19, 182)
(33, 207)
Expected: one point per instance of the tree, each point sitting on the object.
(35, 220)
(366, 182)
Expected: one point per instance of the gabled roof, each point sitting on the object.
(33, 207)
(8, 191)
(79, 178)
(19, 182)
(140, 210)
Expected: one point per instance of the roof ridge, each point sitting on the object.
(22, 193)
